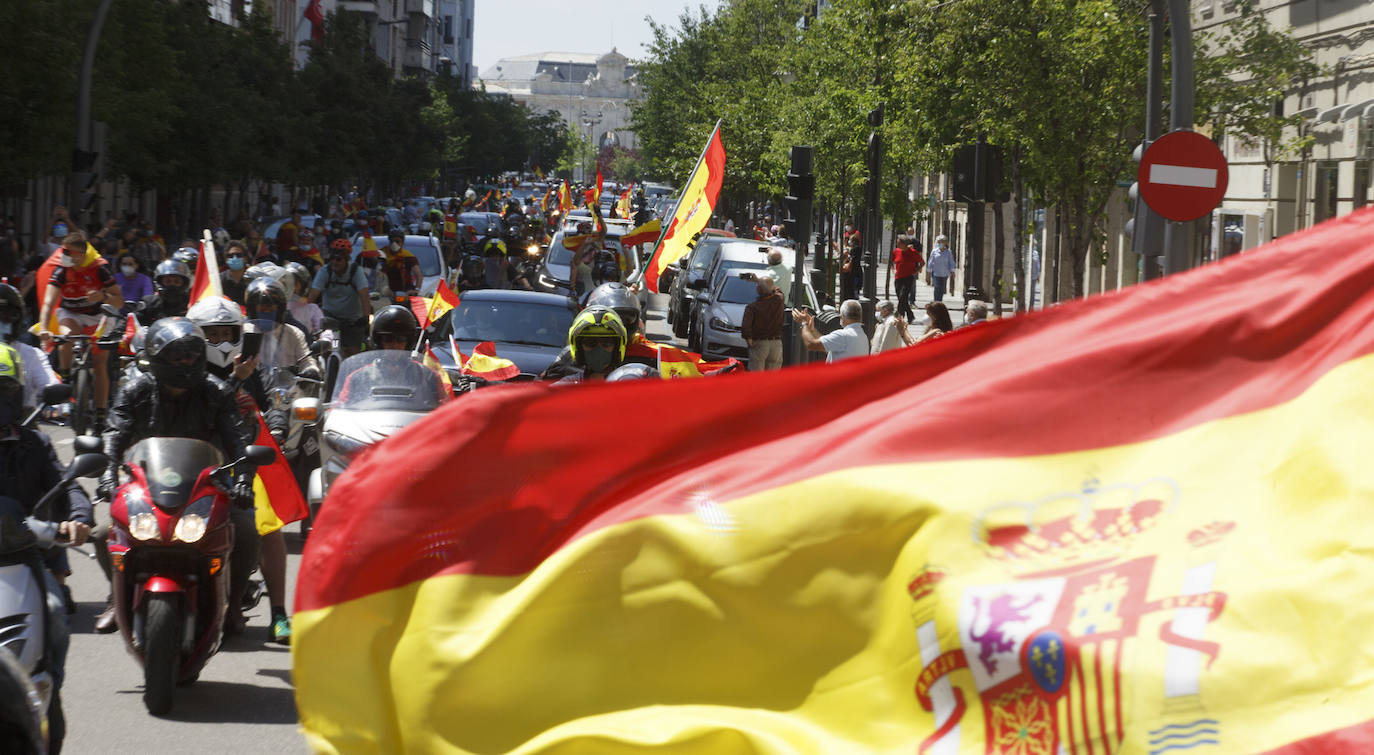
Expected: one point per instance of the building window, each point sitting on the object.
(1361, 196)
(467, 32)
(1326, 191)
(448, 30)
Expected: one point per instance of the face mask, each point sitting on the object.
(598, 360)
(67, 261)
(5, 330)
(395, 247)
(264, 323)
(59, 229)
(235, 263)
(129, 270)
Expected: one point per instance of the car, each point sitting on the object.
(272, 227)
(682, 289)
(733, 253)
(482, 223)
(555, 272)
(425, 249)
(722, 318)
(529, 328)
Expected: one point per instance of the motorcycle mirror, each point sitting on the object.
(319, 347)
(57, 393)
(87, 465)
(260, 455)
(86, 444)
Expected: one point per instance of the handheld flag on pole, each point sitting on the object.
(485, 364)
(278, 497)
(644, 234)
(429, 310)
(1158, 544)
(565, 200)
(622, 206)
(207, 281)
(693, 210)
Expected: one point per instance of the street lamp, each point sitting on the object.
(591, 120)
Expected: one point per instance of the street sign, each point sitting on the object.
(1183, 176)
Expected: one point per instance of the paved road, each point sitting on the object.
(243, 702)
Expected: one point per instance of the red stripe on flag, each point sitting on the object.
(1357, 738)
(1101, 711)
(1116, 689)
(1270, 326)
(1083, 708)
(279, 481)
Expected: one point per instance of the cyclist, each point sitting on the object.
(342, 293)
(402, 268)
(82, 282)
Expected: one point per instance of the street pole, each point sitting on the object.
(1148, 220)
(973, 251)
(1180, 117)
(872, 218)
(83, 159)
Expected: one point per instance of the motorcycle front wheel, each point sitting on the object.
(161, 652)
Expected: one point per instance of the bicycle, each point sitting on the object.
(83, 390)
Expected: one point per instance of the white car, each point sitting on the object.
(426, 251)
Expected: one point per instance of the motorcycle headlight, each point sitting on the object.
(343, 444)
(722, 325)
(532, 249)
(143, 526)
(194, 520)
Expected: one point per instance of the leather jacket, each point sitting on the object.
(29, 468)
(141, 410)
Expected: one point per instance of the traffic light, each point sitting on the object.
(1145, 229)
(801, 190)
(84, 182)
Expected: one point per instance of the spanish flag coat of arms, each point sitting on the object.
(1135, 523)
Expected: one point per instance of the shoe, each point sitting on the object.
(105, 622)
(281, 629)
(67, 599)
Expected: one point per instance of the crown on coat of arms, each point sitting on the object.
(1075, 529)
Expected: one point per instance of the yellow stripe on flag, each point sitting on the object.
(263, 513)
(790, 620)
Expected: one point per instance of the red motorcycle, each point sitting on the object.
(170, 547)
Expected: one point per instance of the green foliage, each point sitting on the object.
(622, 164)
(39, 86)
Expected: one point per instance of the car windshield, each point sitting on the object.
(559, 254)
(706, 252)
(523, 322)
(735, 290)
(728, 266)
(172, 466)
(387, 381)
(427, 253)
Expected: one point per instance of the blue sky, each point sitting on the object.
(503, 28)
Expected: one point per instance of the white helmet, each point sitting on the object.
(217, 310)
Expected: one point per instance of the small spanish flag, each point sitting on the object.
(539, 173)
(277, 496)
(565, 201)
(485, 364)
(369, 245)
(206, 281)
(622, 206)
(433, 363)
(644, 234)
(675, 363)
(642, 348)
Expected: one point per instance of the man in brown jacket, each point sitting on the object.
(762, 327)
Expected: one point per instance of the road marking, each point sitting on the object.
(63, 441)
(1183, 175)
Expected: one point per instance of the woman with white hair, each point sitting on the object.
(886, 334)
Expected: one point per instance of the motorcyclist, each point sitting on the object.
(342, 293)
(189, 257)
(284, 345)
(297, 283)
(474, 274)
(29, 468)
(171, 292)
(402, 268)
(174, 396)
(596, 346)
(395, 328)
(498, 271)
(619, 299)
(38, 370)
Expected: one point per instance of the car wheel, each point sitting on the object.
(680, 325)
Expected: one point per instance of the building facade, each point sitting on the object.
(455, 39)
(593, 93)
(405, 34)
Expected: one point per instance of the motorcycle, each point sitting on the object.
(169, 545)
(376, 394)
(31, 717)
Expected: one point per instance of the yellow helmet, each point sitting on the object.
(11, 385)
(11, 365)
(597, 322)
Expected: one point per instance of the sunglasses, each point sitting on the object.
(605, 344)
(391, 338)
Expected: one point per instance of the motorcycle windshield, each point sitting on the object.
(172, 466)
(387, 381)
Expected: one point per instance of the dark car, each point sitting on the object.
(529, 328)
(686, 283)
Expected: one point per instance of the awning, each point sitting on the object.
(1330, 114)
(1356, 110)
(1307, 113)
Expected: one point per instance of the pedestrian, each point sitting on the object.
(940, 267)
(849, 340)
(886, 334)
(782, 275)
(975, 311)
(851, 258)
(938, 324)
(134, 284)
(730, 225)
(232, 281)
(762, 325)
(907, 264)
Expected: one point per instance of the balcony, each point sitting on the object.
(418, 57)
(359, 6)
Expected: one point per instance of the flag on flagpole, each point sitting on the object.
(315, 15)
(431, 309)
(207, 282)
(693, 210)
(1152, 541)
(623, 204)
(277, 497)
(433, 363)
(485, 364)
(565, 201)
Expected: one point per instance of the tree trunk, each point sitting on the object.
(1021, 275)
(998, 253)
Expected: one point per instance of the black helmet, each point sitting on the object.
(474, 268)
(632, 371)
(617, 297)
(174, 296)
(174, 352)
(392, 321)
(189, 257)
(11, 311)
(263, 290)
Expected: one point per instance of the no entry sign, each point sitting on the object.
(1183, 176)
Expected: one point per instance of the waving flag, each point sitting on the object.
(679, 362)
(485, 364)
(622, 206)
(1153, 543)
(693, 210)
(592, 198)
(565, 202)
(538, 173)
(431, 309)
(315, 15)
(433, 363)
(644, 234)
(277, 497)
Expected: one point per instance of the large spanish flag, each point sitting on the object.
(693, 210)
(1134, 523)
